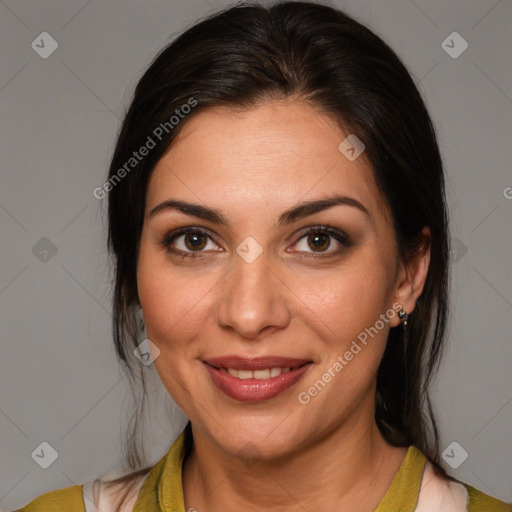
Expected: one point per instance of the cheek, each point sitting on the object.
(348, 300)
(175, 302)
(348, 306)
(173, 308)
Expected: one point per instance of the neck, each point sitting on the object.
(352, 463)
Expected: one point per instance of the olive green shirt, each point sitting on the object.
(162, 489)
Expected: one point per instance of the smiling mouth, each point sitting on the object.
(255, 379)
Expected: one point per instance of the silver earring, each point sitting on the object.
(403, 315)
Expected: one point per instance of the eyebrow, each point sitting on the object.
(293, 214)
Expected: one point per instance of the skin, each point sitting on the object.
(291, 301)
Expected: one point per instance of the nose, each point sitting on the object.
(253, 299)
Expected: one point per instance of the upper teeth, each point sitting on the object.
(257, 374)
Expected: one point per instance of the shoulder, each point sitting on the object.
(436, 493)
(93, 496)
(99, 496)
(68, 499)
(481, 502)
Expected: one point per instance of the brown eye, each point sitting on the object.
(319, 241)
(189, 242)
(321, 238)
(195, 241)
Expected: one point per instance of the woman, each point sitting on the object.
(277, 216)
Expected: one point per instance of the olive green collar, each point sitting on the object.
(404, 490)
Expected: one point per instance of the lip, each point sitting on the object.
(255, 390)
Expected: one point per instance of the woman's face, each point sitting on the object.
(248, 289)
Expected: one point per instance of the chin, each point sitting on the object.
(266, 436)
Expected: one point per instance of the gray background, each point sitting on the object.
(60, 382)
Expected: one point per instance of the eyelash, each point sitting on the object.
(339, 236)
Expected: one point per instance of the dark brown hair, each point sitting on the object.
(248, 53)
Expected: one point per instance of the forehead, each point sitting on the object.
(271, 155)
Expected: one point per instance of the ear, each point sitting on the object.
(412, 276)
